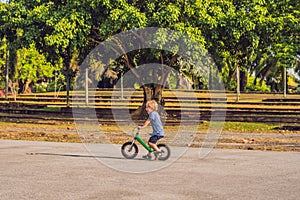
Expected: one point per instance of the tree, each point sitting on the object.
(31, 68)
(58, 29)
(10, 18)
(252, 36)
(230, 29)
(255, 36)
(3, 54)
(279, 45)
(120, 16)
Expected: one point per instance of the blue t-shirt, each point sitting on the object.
(156, 124)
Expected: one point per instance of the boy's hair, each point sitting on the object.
(152, 104)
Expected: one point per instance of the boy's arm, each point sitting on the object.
(146, 123)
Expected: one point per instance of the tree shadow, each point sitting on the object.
(288, 128)
(82, 156)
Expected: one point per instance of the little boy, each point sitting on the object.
(158, 130)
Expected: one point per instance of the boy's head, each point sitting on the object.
(151, 105)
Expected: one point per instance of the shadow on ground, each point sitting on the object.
(288, 128)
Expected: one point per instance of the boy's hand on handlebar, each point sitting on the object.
(139, 127)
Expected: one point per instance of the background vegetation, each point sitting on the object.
(44, 42)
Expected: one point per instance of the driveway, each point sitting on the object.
(43, 170)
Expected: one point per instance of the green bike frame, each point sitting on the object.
(140, 140)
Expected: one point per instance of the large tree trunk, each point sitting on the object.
(21, 85)
(151, 92)
(243, 81)
(24, 87)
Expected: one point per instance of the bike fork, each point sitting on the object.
(133, 141)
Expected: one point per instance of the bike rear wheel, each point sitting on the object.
(129, 150)
(165, 150)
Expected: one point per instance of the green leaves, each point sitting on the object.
(256, 35)
(32, 67)
(167, 15)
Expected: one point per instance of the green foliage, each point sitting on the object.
(32, 67)
(57, 83)
(257, 86)
(260, 37)
(253, 85)
(2, 62)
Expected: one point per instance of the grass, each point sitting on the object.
(39, 132)
(243, 135)
(235, 135)
(240, 127)
(251, 127)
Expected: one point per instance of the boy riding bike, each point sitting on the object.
(158, 130)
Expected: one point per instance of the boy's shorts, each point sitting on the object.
(154, 138)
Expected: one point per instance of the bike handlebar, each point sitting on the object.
(138, 130)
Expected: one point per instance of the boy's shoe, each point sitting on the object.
(157, 154)
(147, 157)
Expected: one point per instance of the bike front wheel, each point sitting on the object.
(129, 150)
(165, 150)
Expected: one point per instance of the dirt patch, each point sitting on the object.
(279, 140)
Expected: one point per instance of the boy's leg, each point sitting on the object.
(153, 146)
(152, 142)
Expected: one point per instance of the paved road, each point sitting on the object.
(41, 170)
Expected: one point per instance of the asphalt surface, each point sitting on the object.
(42, 170)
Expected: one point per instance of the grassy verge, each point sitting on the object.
(235, 135)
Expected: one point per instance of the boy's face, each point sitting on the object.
(148, 110)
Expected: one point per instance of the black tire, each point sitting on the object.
(129, 150)
(166, 152)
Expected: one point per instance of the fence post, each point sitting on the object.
(237, 83)
(86, 87)
(284, 82)
(6, 73)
